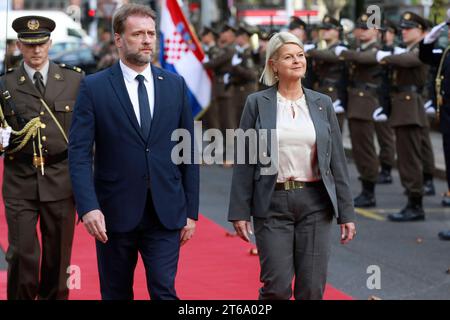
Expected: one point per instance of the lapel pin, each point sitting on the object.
(57, 76)
(160, 78)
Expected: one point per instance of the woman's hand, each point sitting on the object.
(243, 229)
(348, 232)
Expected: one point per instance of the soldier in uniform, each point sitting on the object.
(329, 71)
(365, 79)
(36, 181)
(211, 49)
(12, 59)
(243, 73)
(221, 66)
(408, 116)
(440, 58)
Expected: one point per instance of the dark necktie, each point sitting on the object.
(39, 82)
(144, 106)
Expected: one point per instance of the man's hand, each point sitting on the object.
(382, 54)
(188, 231)
(434, 34)
(243, 229)
(338, 108)
(348, 232)
(430, 110)
(379, 115)
(236, 60)
(307, 47)
(94, 221)
(339, 49)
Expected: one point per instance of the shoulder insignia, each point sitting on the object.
(73, 68)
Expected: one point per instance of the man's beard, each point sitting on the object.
(137, 58)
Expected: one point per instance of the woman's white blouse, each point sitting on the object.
(297, 149)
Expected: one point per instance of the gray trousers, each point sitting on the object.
(294, 240)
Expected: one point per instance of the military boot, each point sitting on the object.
(384, 176)
(413, 211)
(367, 196)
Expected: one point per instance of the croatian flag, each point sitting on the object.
(182, 54)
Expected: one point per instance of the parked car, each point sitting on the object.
(81, 57)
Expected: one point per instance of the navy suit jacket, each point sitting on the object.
(113, 166)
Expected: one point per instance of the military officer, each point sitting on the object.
(36, 181)
(440, 58)
(330, 72)
(243, 73)
(408, 116)
(212, 50)
(365, 78)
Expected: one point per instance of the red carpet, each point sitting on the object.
(212, 266)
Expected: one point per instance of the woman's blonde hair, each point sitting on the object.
(276, 42)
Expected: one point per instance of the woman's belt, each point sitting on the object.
(291, 184)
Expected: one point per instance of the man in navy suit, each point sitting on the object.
(129, 193)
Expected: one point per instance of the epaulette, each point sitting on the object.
(9, 70)
(73, 68)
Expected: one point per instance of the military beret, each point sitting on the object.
(296, 23)
(328, 22)
(33, 29)
(411, 20)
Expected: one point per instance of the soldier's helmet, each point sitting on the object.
(411, 20)
(33, 29)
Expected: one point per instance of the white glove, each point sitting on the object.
(429, 108)
(236, 60)
(339, 49)
(5, 133)
(382, 54)
(399, 50)
(226, 78)
(308, 47)
(338, 108)
(205, 59)
(434, 34)
(379, 116)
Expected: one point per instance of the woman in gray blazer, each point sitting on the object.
(292, 206)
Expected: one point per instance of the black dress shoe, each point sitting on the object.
(384, 177)
(446, 200)
(365, 200)
(444, 235)
(428, 188)
(408, 214)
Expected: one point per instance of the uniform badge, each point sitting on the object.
(407, 16)
(22, 79)
(57, 76)
(33, 24)
(364, 18)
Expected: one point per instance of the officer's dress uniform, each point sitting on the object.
(409, 120)
(362, 102)
(211, 115)
(244, 79)
(441, 57)
(330, 74)
(28, 194)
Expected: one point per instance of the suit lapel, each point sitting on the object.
(158, 82)
(55, 83)
(118, 84)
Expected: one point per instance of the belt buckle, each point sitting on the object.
(38, 161)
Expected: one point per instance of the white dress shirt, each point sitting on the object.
(297, 149)
(132, 87)
(44, 71)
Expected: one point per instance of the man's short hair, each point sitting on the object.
(127, 10)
